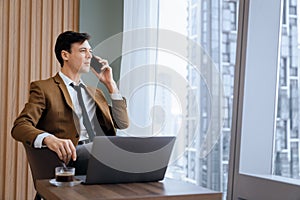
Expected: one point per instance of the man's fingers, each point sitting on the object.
(63, 151)
(59, 154)
(70, 148)
(68, 151)
(64, 148)
(103, 62)
(73, 151)
(97, 57)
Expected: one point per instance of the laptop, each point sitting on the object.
(116, 159)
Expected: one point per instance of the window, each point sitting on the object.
(287, 138)
(264, 130)
(200, 76)
(212, 31)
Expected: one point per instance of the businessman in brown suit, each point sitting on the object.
(53, 116)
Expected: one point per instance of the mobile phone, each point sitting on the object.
(96, 65)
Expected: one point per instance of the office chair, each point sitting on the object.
(42, 164)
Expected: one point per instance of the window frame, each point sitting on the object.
(254, 105)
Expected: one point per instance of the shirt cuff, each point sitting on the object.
(116, 96)
(38, 143)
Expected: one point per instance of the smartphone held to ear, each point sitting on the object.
(96, 65)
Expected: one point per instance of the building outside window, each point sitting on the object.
(212, 25)
(286, 151)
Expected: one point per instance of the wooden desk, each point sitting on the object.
(167, 189)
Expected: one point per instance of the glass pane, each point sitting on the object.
(286, 151)
(189, 86)
(212, 25)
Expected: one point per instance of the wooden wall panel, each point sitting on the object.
(28, 32)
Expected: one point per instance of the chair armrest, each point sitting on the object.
(42, 162)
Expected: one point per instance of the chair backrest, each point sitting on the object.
(42, 162)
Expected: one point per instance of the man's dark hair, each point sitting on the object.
(65, 40)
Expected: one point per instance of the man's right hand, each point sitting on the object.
(64, 148)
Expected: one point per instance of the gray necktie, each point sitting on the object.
(86, 120)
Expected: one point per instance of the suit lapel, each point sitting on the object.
(64, 90)
(98, 98)
(100, 101)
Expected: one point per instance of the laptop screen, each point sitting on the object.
(117, 159)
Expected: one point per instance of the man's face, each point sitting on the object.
(80, 57)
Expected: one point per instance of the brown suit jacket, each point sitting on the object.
(49, 109)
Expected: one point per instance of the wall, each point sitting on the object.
(28, 32)
(103, 19)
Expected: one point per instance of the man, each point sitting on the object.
(53, 115)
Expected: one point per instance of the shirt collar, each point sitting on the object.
(67, 80)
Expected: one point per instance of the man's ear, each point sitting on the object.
(65, 55)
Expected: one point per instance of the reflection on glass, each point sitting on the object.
(213, 25)
(197, 102)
